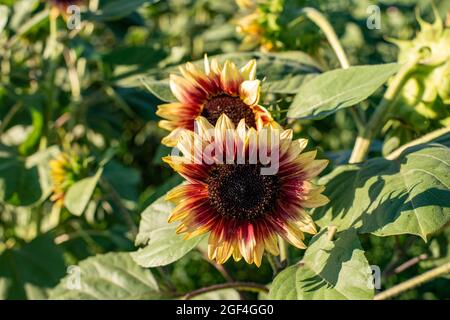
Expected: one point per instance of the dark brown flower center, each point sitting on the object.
(239, 191)
(233, 107)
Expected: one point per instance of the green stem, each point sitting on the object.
(284, 251)
(364, 140)
(319, 19)
(240, 286)
(27, 27)
(274, 263)
(331, 232)
(51, 56)
(424, 139)
(71, 63)
(414, 282)
(115, 198)
(8, 117)
(120, 102)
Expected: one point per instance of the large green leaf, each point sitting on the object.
(19, 183)
(329, 270)
(79, 194)
(338, 89)
(133, 55)
(282, 72)
(389, 197)
(112, 276)
(4, 11)
(117, 9)
(161, 243)
(37, 121)
(124, 180)
(159, 88)
(29, 272)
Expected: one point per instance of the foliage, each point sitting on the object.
(92, 94)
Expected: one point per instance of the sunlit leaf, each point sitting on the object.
(338, 89)
(112, 276)
(161, 244)
(388, 197)
(159, 88)
(329, 270)
(80, 193)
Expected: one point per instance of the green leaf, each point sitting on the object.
(4, 11)
(125, 180)
(338, 89)
(162, 245)
(282, 72)
(19, 184)
(289, 85)
(80, 193)
(41, 160)
(117, 9)
(29, 272)
(133, 55)
(390, 197)
(111, 276)
(329, 270)
(37, 119)
(159, 88)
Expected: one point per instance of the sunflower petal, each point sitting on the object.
(230, 78)
(248, 71)
(317, 200)
(271, 244)
(313, 168)
(249, 91)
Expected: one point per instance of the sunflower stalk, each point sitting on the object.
(319, 19)
(331, 232)
(414, 282)
(424, 139)
(284, 252)
(364, 140)
(240, 286)
(51, 55)
(275, 264)
(9, 116)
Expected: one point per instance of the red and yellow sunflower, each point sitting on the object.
(242, 209)
(210, 93)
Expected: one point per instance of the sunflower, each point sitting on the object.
(249, 26)
(216, 91)
(65, 170)
(258, 23)
(243, 209)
